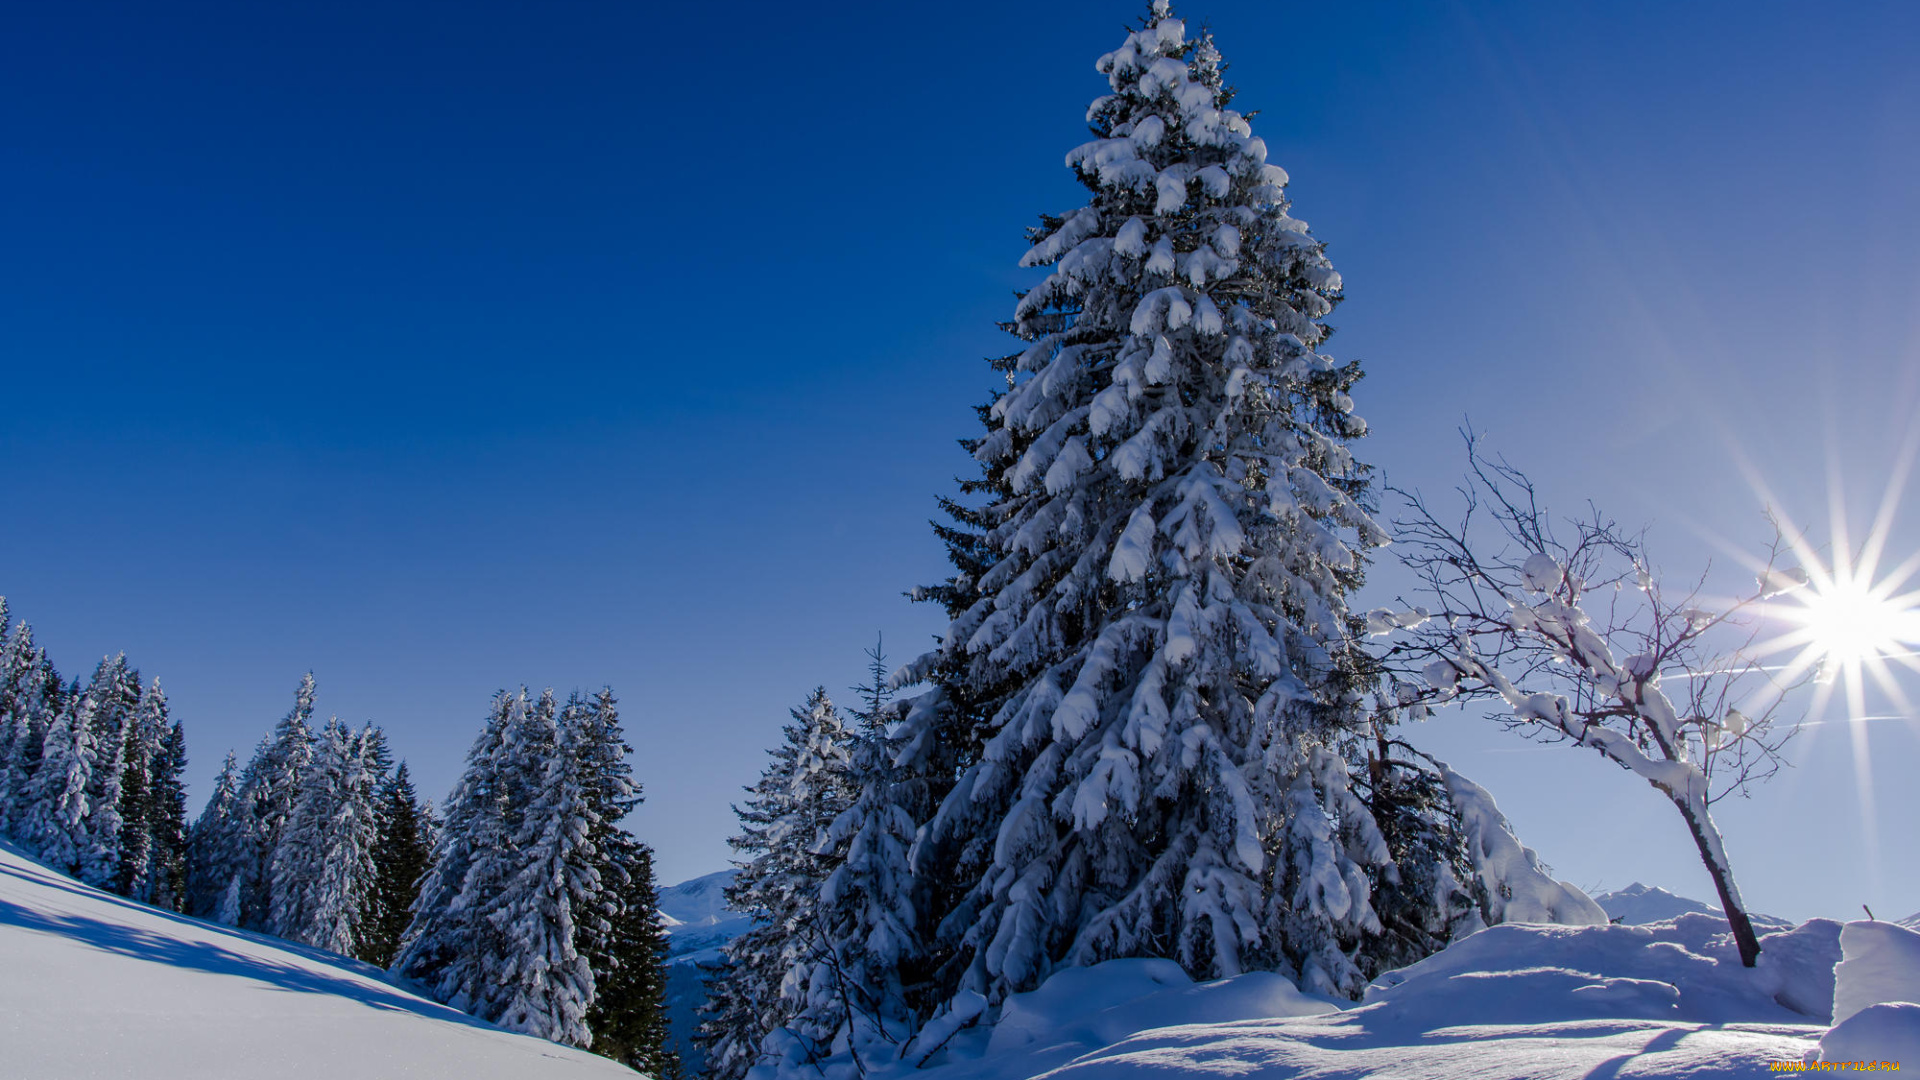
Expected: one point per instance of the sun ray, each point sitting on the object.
(1890, 502)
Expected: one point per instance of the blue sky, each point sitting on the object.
(444, 347)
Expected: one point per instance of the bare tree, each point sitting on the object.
(1575, 637)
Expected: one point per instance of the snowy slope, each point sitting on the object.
(697, 917)
(92, 985)
(698, 923)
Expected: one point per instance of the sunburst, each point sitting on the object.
(1855, 618)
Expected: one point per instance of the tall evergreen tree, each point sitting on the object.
(627, 947)
(401, 857)
(323, 868)
(111, 705)
(759, 987)
(16, 656)
(143, 741)
(32, 700)
(269, 792)
(447, 935)
(868, 925)
(167, 823)
(1150, 691)
(549, 903)
(219, 849)
(53, 823)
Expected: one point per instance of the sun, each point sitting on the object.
(1847, 617)
(1847, 621)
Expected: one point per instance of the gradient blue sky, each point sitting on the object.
(440, 347)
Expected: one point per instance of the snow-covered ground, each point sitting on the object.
(92, 985)
(1509, 1002)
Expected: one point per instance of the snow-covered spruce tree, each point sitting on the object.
(32, 699)
(759, 985)
(144, 740)
(854, 994)
(113, 699)
(544, 982)
(218, 847)
(626, 945)
(1151, 688)
(166, 822)
(16, 655)
(269, 791)
(629, 1015)
(401, 856)
(323, 868)
(440, 947)
(53, 822)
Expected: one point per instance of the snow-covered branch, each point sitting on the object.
(1578, 641)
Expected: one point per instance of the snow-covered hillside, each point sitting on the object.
(92, 985)
(698, 923)
(697, 917)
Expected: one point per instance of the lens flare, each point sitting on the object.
(1846, 622)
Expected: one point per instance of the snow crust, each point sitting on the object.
(93, 985)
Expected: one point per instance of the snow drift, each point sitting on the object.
(1513, 1001)
(94, 985)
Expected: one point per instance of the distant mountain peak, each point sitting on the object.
(1637, 904)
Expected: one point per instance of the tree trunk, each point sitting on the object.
(1743, 935)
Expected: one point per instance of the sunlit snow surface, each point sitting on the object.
(1533, 1001)
(1508, 1003)
(95, 986)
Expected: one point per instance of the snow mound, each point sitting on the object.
(1889, 1031)
(1639, 904)
(1881, 964)
(95, 985)
(1099, 1005)
(1684, 969)
(1080, 1011)
(1510, 1002)
(1530, 1001)
(1348, 1047)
